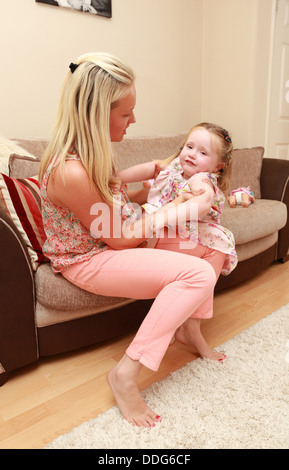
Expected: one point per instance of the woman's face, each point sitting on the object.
(122, 115)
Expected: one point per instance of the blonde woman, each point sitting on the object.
(77, 172)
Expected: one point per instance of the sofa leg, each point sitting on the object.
(284, 259)
(3, 378)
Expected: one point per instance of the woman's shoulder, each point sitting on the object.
(70, 171)
(74, 168)
(71, 178)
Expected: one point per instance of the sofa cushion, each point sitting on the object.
(255, 247)
(20, 199)
(246, 169)
(23, 167)
(260, 219)
(55, 293)
(7, 147)
(36, 147)
(134, 150)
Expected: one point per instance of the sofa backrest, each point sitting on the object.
(246, 169)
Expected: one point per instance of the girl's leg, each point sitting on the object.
(190, 331)
(178, 282)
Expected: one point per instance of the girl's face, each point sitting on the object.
(200, 153)
(122, 115)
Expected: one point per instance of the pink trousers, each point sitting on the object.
(180, 281)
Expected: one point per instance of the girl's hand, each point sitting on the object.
(115, 184)
(158, 169)
(146, 184)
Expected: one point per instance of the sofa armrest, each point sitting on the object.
(274, 178)
(18, 340)
(275, 185)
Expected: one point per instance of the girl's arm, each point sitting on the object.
(141, 172)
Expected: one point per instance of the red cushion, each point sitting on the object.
(20, 198)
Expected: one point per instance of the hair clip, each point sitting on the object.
(73, 67)
(226, 135)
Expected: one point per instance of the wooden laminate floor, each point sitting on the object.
(42, 401)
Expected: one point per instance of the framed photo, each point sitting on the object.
(96, 7)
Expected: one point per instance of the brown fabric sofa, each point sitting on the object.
(42, 314)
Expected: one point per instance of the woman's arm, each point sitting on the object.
(139, 196)
(203, 192)
(98, 216)
(102, 219)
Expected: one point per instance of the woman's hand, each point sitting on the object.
(185, 196)
(172, 212)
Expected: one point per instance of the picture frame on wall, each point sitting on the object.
(96, 7)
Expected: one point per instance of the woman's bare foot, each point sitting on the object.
(190, 333)
(122, 380)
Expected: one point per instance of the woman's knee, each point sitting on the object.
(199, 270)
(209, 273)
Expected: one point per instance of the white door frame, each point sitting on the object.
(270, 149)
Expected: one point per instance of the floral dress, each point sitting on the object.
(208, 231)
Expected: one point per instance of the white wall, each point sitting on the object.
(160, 39)
(236, 66)
(194, 60)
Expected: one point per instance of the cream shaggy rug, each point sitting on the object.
(240, 404)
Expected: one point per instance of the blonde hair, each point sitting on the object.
(92, 88)
(224, 149)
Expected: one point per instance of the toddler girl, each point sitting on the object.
(203, 163)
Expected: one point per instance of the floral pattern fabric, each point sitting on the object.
(68, 240)
(208, 231)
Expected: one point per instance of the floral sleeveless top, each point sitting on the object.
(68, 240)
(208, 231)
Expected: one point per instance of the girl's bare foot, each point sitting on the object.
(173, 339)
(190, 333)
(122, 380)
